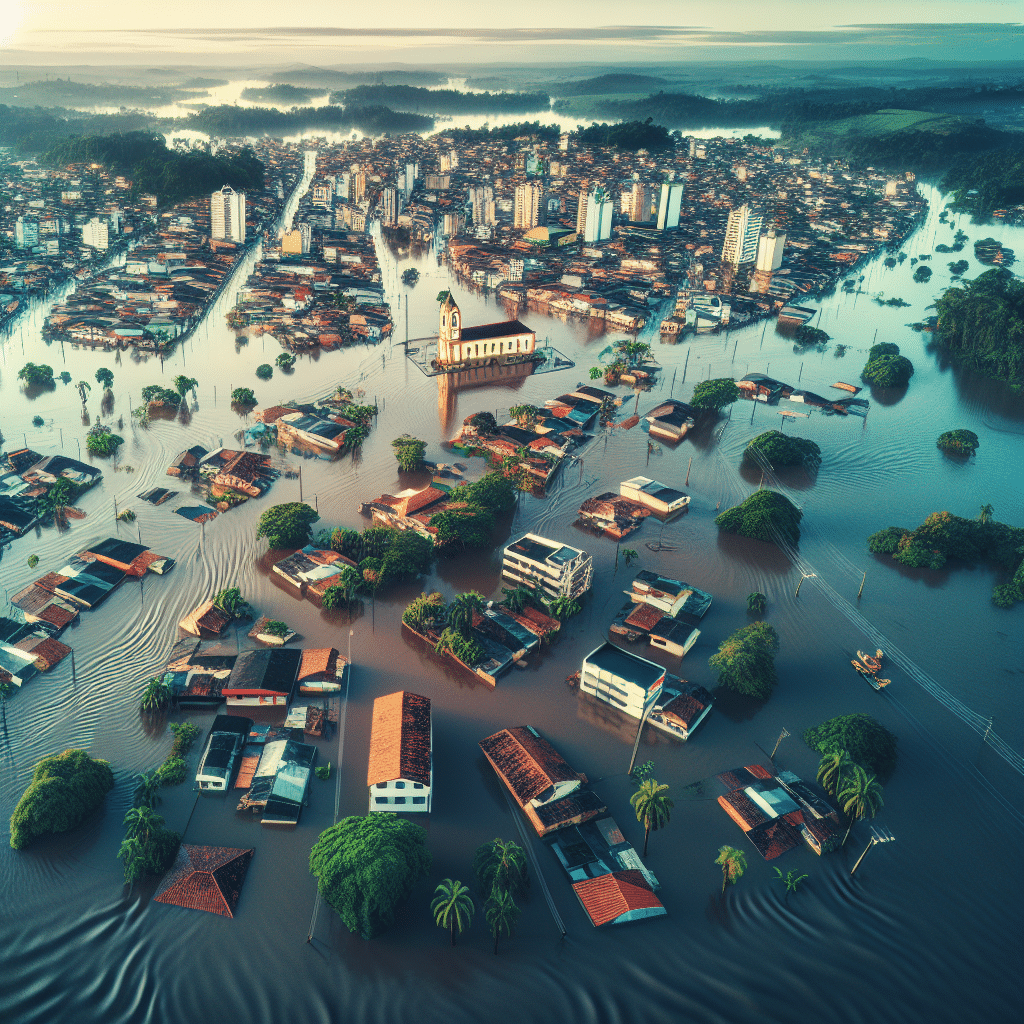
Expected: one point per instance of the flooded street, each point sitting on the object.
(926, 931)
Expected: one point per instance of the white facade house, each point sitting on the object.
(96, 234)
(655, 495)
(669, 596)
(557, 569)
(227, 215)
(769, 251)
(623, 680)
(680, 711)
(400, 766)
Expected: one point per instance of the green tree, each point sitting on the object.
(467, 649)
(65, 789)
(469, 527)
(867, 741)
(524, 415)
(520, 597)
(185, 734)
(264, 371)
(888, 371)
(500, 867)
(790, 879)
(833, 769)
(147, 790)
(105, 377)
(100, 440)
(243, 396)
(757, 603)
(781, 449)
(565, 607)
(653, 807)
(288, 525)
(148, 848)
(460, 611)
(501, 913)
(366, 866)
(630, 555)
(183, 385)
(745, 661)
(713, 396)
(860, 796)
(425, 612)
(959, 442)
(157, 694)
(493, 491)
(37, 375)
(733, 863)
(230, 600)
(285, 361)
(452, 907)
(158, 393)
(409, 452)
(173, 771)
(985, 515)
(766, 515)
(6, 689)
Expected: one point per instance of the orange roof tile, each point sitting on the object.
(608, 897)
(317, 661)
(205, 878)
(400, 739)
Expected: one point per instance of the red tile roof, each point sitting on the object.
(526, 762)
(317, 662)
(644, 616)
(608, 897)
(400, 739)
(205, 878)
(743, 810)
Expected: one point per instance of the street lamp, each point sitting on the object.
(782, 736)
(878, 835)
(803, 576)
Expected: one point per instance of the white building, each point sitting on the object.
(96, 234)
(557, 569)
(769, 251)
(389, 206)
(401, 760)
(654, 494)
(669, 202)
(640, 203)
(481, 197)
(741, 236)
(220, 756)
(529, 208)
(26, 233)
(491, 343)
(227, 215)
(680, 711)
(598, 213)
(626, 682)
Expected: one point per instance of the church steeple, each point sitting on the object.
(450, 329)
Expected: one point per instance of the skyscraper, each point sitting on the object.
(389, 206)
(26, 233)
(95, 234)
(640, 203)
(481, 198)
(529, 208)
(769, 250)
(227, 215)
(741, 235)
(668, 205)
(600, 209)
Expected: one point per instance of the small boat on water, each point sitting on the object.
(787, 412)
(793, 314)
(872, 663)
(873, 680)
(843, 386)
(869, 666)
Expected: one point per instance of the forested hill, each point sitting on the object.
(152, 167)
(987, 182)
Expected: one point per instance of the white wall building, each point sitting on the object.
(769, 250)
(558, 569)
(400, 764)
(741, 236)
(623, 680)
(529, 208)
(96, 234)
(600, 210)
(227, 215)
(669, 202)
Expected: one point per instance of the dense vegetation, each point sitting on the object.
(384, 555)
(959, 442)
(604, 85)
(630, 135)
(942, 536)
(987, 181)
(287, 525)
(366, 866)
(886, 367)
(65, 789)
(867, 742)
(37, 375)
(281, 93)
(715, 395)
(745, 661)
(173, 176)
(409, 452)
(101, 440)
(765, 515)
(443, 101)
(784, 450)
(227, 120)
(981, 325)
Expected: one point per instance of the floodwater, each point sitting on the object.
(928, 930)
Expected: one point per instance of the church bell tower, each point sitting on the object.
(450, 330)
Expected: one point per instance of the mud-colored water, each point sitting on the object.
(928, 930)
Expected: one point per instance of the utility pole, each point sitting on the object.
(803, 576)
(782, 736)
(686, 482)
(862, 579)
(878, 835)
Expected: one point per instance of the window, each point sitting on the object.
(382, 785)
(399, 785)
(380, 799)
(399, 800)
(417, 785)
(419, 799)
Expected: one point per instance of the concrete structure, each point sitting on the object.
(681, 710)
(640, 203)
(227, 215)
(95, 234)
(769, 250)
(741, 236)
(530, 207)
(401, 753)
(502, 342)
(655, 495)
(623, 680)
(669, 202)
(557, 569)
(599, 211)
(26, 233)
(389, 206)
(670, 597)
(481, 198)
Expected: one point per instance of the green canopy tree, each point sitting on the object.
(37, 375)
(288, 525)
(105, 377)
(713, 396)
(425, 612)
(745, 661)
(147, 790)
(157, 694)
(366, 866)
(500, 867)
(148, 848)
(501, 913)
(766, 515)
(733, 863)
(409, 452)
(452, 907)
(867, 742)
(784, 450)
(653, 807)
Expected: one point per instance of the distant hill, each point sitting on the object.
(608, 85)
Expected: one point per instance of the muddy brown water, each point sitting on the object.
(929, 930)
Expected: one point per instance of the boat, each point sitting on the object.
(787, 412)
(843, 386)
(872, 662)
(876, 683)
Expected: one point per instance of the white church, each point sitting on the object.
(508, 341)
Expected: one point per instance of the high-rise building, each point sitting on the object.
(227, 215)
(668, 205)
(640, 203)
(26, 233)
(389, 206)
(581, 211)
(769, 250)
(600, 210)
(530, 206)
(741, 235)
(322, 194)
(481, 198)
(693, 148)
(358, 186)
(95, 234)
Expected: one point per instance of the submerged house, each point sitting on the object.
(207, 620)
(264, 677)
(613, 514)
(313, 568)
(400, 768)
(220, 755)
(657, 496)
(280, 782)
(671, 597)
(682, 708)
(538, 777)
(596, 848)
(559, 570)
(670, 421)
(623, 680)
(618, 897)
(205, 878)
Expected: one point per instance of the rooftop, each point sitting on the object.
(400, 739)
(609, 658)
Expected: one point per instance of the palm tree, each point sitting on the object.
(860, 797)
(833, 770)
(756, 603)
(460, 613)
(452, 907)
(502, 914)
(156, 695)
(653, 807)
(985, 515)
(140, 822)
(147, 790)
(733, 863)
(84, 387)
(565, 607)
(505, 862)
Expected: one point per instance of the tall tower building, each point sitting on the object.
(530, 206)
(769, 250)
(640, 203)
(481, 198)
(227, 215)
(600, 211)
(668, 205)
(450, 330)
(389, 206)
(741, 234)
(581, 211)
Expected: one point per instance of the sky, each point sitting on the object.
(244, 31)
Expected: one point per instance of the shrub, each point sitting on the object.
(883, 348)
(173, 771)
(745, 661)
(887, 541)
(37, 375)
(158, 393)
(65, 789)
(409, 452)
(243, 396)
(287, 525)
(285, 361)
(867, 741)
(102, 441)
(264, 371)
(959, 442)
(37, 421)
(105, 377)
(715, 395)
(785, 450)
(765, 515)
(888, 371)
(922, 274)
(276, 628)
(185, 734)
